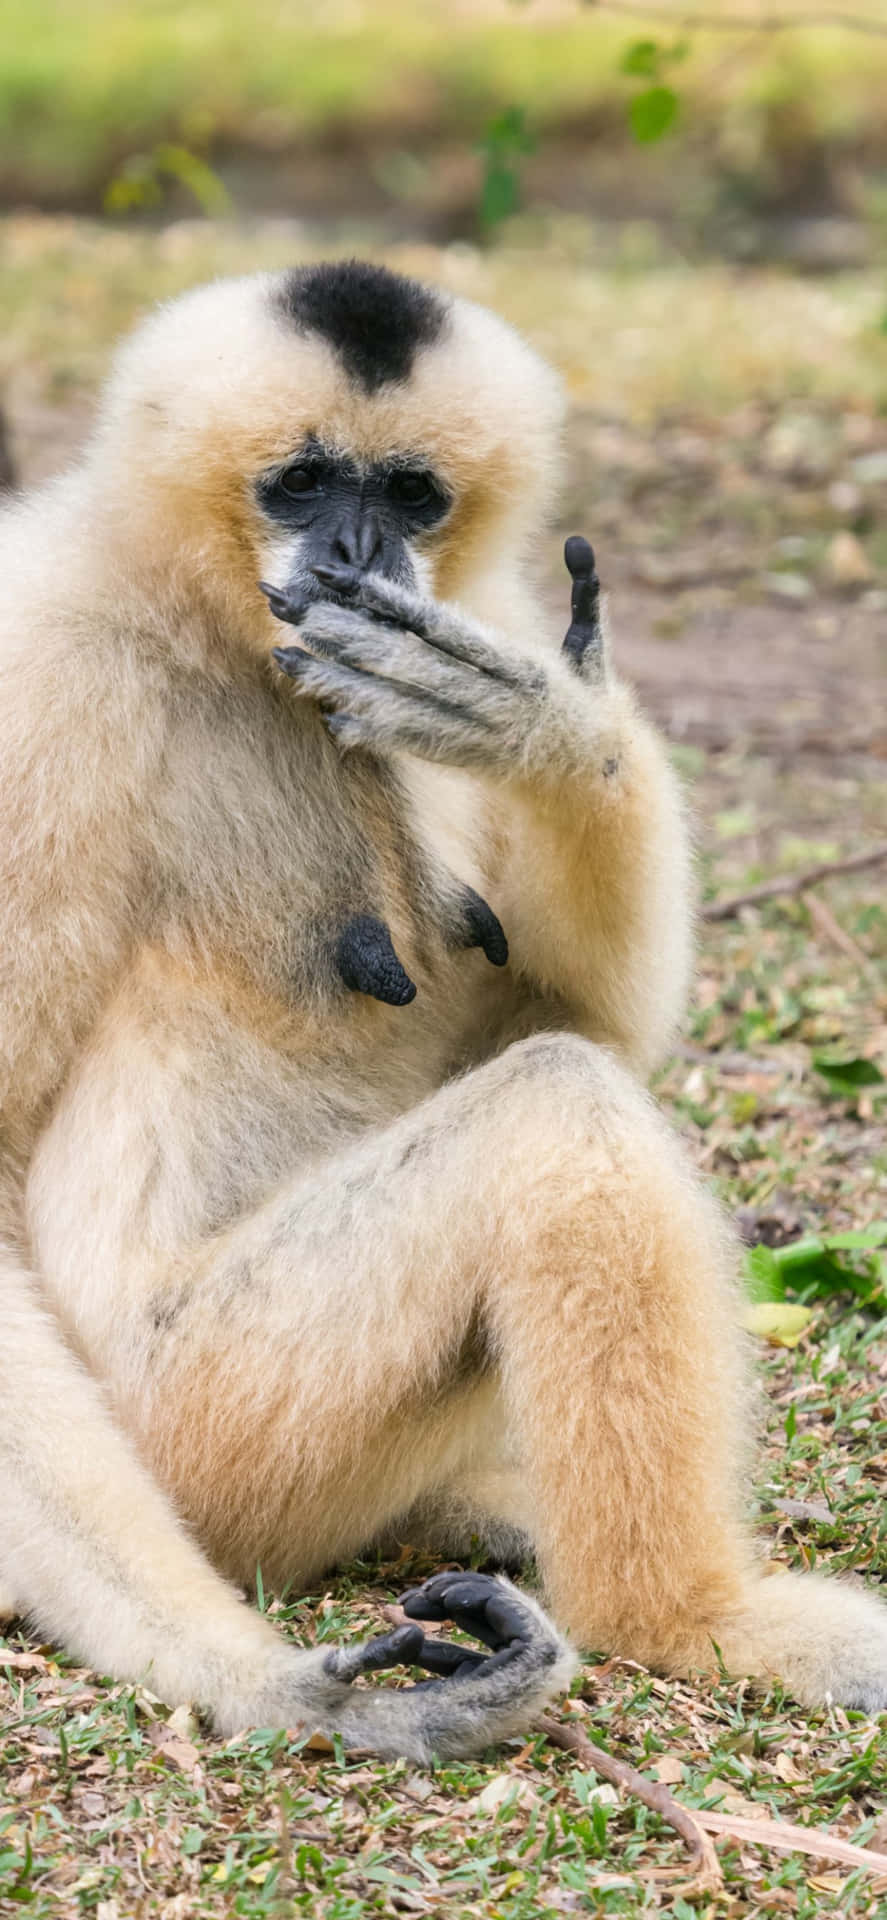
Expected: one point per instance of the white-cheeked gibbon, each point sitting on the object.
(341, 920)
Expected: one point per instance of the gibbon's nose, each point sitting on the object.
(358, 542)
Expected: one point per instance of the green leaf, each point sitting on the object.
(642, 57)
(506, 140)
(865, 1237)
(500, 194)
(846, 1077)
(764, 1281)
(652, 113)
(813, 1269)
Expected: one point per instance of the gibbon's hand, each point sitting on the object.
(491, 1610)
(395, 671)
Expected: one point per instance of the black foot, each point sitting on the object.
(397, 1649)
(477, 1604)
(366, 962)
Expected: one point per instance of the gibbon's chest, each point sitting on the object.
(342, 883)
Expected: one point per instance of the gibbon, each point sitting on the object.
(340, 924)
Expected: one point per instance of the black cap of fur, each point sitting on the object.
(374, 319)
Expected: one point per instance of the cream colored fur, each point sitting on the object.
(286, 1270)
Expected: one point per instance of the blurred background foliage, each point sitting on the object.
(405, 111)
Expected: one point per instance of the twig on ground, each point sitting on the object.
(794, 883)
(831, 929)
(707, 1876)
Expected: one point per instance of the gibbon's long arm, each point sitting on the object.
(593, 893)
(597, 886)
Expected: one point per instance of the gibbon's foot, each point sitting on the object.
(583, 640)
(489, 1609)
(398, 1649)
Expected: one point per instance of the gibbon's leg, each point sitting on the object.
(301, 1379)
(99, 1557)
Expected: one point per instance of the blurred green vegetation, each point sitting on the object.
(86, 84)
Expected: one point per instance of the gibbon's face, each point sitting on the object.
(336, 415)
(333, 509)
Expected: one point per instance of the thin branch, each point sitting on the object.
(794, 883)
(831, 929)
(707, 1876)
(739, 22)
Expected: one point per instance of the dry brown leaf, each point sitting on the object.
(318, 1743)
(783, 1837)
(179, 1752)
(668, 1770)
(504, 1787)
(734, 1801)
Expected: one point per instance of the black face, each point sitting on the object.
(358, 518)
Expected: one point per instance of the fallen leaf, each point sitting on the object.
(179, 1752)
(317, 1743)
(668, 1770)
(846, 561)
(816, 1842)
(183, 1721)
(502, 1788)
(23, 1662)
(603, 1796)
(777, 1321)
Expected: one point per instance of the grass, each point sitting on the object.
(83, 88)
(112, 1808)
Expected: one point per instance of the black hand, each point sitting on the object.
(583, 636)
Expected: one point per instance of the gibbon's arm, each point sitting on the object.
(593, 889)
(597, 883)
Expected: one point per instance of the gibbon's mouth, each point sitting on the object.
(339, 584)
(291, 603)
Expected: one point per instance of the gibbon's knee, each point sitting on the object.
(563, 1099)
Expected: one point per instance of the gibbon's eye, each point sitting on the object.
(412, 488)
(302, 480)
